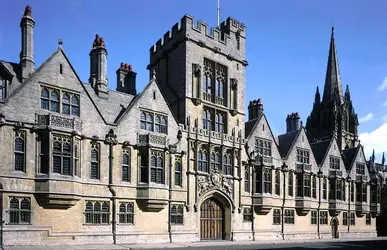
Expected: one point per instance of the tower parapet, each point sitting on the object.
(228, 39)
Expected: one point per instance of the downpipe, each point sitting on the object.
(319, 204)
(284, 167)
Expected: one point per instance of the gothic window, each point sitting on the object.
(126, 213)
(364, 192)
(360, 168)
(302, 156)
(277, 216)
(267, 180)
(332, 188)
(61, 155)
(76, 158)
(54, 101)
(343, 193)
(277, 182)
(247, 179)
(290, 184)
(263, 147)
(205, 161)
(157, 167)
(324, 191)
(44, 153)
(126, 170)
(19, 210)
(352, 191)
(221, 75)
(289, 216)
(75, 105)
(178, 181)
(207, 119)
(219, 123)
(19, 151)
(94, 161)
(177, 214)
(227, 166)
(352, 219)
(66, 104)
(368, 219)
(153, 122)
(208, 77)
(345, 219)
(2, 88)
(214, 74)
(258, 180)
(247, 214)
(97, 212)
(313, 217)
(323, 218)
(199, 165)
(314, 187)
(299, 179)
(143, 159)
(307, 180)
(339, 186)
(215, 161)
(196, 68)
(334, 163)
(45, 98)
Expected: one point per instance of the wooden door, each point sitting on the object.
(211, 220)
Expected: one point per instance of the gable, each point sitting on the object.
(334, 151)
(150, 100)
(359, 158)
(262, 130)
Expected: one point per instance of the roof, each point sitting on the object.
(319, 150)
(14, 70)
(286, 141)
(249, 126)
(348, 155)
(111, 107)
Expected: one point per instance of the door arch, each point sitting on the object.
(211, 220)
(335, 228)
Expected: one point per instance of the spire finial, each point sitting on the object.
(27, 11)
(383, 159)
(373, 156)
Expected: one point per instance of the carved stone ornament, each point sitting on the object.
(197, 69)
(234, 83)
(196, 101)
(215, 181)
(216, 49)
(201, 43)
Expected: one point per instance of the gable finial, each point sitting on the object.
(218, 14)
(154, 74)
(60, 43)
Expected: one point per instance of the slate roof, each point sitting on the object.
(286, 141)
(13, 69)
(319, 150)
(111, 107)
(348, 155)
(249, 126)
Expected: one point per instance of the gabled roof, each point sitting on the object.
(14, 71)
(287, 140)
(349, 156)
(250, 125)
(320, 149)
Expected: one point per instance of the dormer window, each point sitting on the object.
(302, 156)
(153, 122)
(334, 163)
(2, 88)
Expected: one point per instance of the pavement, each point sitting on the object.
(341, 244)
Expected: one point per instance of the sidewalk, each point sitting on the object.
(203, 244)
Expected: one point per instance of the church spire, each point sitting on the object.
(383, 159)
(332, 88)
(317, 97)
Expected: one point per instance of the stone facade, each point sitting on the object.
(83, 164)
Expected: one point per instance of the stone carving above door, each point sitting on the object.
(213, 181)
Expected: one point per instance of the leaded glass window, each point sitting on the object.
(19, 151)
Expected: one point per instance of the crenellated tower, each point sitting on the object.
(334, 115)
(201, 72)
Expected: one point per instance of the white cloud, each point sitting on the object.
(366, 118)
(384, 84)
(375, 140)
(385, 103)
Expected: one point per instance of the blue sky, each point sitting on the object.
(287, 46)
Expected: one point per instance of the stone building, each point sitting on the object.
(81, 163)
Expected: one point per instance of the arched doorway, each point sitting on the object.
(335, 230)
(211, 220)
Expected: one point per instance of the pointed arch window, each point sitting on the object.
(75, 105)
(61, 156)
(149, 122)
(227, 165)
(143, 120)
(126, 170)
(2, 88)
(66, 104)
(157, 167)
(177, 214)
(247, 179)
(290, 184)
(126, 213)
(314, 187)
(267, 180)
(97, 212)
(94, 163)
(19, 151)
(200, 161)
(277, 183)
(45, 98)
(178, 181)
(19, 210)
(54, 101)
(205, 161)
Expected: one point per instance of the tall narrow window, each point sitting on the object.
(157, 123)
(217, 161)
(126, 213)
(212, 163)
(19, 151)
(143, 120)
(364, 192)
(19, 210)
(277, 217)
(178, 176)
(66, 104)
(290, 184)
(143, 159)
(277, 183)
(345, 219)
(339, 186)
(227, 166)
(267, 180)
(219, 123)
(44, 153)
(205, 161)
(149, 122)
(314, 218)
(94, 161)
(157, 167)
(61, 156)
(199, 165)
(352, 219)
(126, 170)
(45, 98)
(368, 219)
(207, 119)
(259, 179)
(323, 217)
(307, 178)
(75, 105)
(324, 189)
(352, 191)
(2, 88)
(299, 189)
(163, 126)
(76, 158)
(247, 179)
(314, 187)
(54, 101)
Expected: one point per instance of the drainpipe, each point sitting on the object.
(252, 198)
(284, 170)
(319, 203)
(111, 140)
(349, 202)
(1, 217)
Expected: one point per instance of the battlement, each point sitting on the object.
(200, 31)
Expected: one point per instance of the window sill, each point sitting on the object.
(94, 225)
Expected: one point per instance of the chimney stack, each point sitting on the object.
(255, 109)
(98, 67)
(292, 122)
(126, 79)
(27, 41)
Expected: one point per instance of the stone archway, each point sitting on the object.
(215, 216)
(335, 228)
